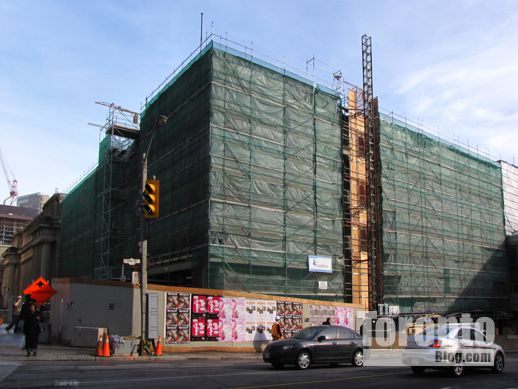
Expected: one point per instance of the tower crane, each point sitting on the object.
(11, 183)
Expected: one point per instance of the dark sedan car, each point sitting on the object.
(320, 344)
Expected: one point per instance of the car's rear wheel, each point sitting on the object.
(278, 365)
(457, 371)
(417, 370)
(303, 360)
(499, 365)
(358, 358)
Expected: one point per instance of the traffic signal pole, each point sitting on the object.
(160, 122)
(143, 262)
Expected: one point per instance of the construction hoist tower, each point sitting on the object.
(373, 169)
(118, 133)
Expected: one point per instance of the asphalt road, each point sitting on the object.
(235, 374)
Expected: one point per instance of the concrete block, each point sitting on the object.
(86, 336)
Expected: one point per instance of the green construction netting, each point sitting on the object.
(77, 236)
(99, 226)
(250, 169)
(442, 231)
(249, 166)
(275, 180)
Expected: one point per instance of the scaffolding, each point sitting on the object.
(442, 230)
(97, 213)
(120, 131)
(275, 180)
(251, 162)
(261, 167)
(510, 189)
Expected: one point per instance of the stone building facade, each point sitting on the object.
(33, 252)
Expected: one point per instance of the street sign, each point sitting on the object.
(40, 290)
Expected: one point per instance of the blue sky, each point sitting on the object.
(450, 65)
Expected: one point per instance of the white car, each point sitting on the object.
(452, 347)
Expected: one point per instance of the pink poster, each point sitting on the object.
(345, 317)
(232, 319)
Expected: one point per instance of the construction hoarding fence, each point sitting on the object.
(185, 318)
(230, 317)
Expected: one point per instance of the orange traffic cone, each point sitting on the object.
(100, 346)
(106, 346)
(158, 349)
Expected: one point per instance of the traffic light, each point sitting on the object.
(151, 199)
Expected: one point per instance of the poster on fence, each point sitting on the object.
(214, 305)
(212, 327)
(340, 316)
(199, 304)
(177, 317)
(290, 316)
(205, 321)
(232, 319)
(345, 316)
(259, 317)
(319, 314)
(198, 328)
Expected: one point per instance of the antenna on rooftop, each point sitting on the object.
(201, 29)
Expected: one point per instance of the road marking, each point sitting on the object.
(163, 365)
(7, 368)
(316, 382)
(66, 383)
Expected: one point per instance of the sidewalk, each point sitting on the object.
(10, 352)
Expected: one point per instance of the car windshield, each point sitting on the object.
(307, 333)
(437, 331)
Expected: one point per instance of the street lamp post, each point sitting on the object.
(161, 121)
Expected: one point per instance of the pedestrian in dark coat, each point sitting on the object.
(31, 330)
(26, 307)
(327, 322)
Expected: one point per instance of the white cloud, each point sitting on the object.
(469, 90)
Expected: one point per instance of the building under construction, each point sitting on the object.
(443, 229)
(261, 168)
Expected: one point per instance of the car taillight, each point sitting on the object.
(436, 343)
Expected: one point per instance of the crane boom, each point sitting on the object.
(12, 184)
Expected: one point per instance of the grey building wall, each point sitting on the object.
(80, 303)
(34, 201)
